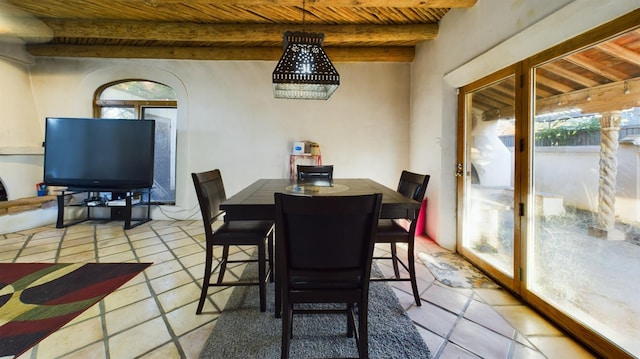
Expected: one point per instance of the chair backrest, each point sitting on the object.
(315, 172)
(326, 234)
(210, 191)
(413, 185)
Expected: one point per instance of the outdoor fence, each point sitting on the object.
(590, 137)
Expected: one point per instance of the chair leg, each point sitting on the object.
(271, 255)
(363, 330)
(207, 278)
(223, 262)
(350, 318)
(278, 301)
(394, 257)
(286, 332)
(412, 273)
(262, 274)
(278, 289)
(291, 323)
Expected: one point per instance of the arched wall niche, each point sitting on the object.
(110, 74)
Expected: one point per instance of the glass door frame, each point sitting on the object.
(602, 33)
(512, 281)
(523, 176)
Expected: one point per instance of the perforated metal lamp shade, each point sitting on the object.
(304, 70)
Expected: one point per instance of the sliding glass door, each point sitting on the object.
(490, 211)
(584, 241)
(549, 183)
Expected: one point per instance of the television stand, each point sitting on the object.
(121, 204)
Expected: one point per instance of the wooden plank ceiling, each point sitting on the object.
(600, 78)
(355, 30)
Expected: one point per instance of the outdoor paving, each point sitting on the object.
(593, 278)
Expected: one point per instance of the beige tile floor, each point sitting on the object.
(153, 315)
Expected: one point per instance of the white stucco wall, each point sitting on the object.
(473, 43)
(20, 139)
(573, 172)
(383, 118)
(228, 118)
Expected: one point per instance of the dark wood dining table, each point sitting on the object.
(256, 201)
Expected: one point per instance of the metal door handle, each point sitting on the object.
(459, 170)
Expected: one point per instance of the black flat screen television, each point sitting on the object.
(87, 153)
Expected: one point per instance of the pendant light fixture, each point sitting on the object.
(304, 70)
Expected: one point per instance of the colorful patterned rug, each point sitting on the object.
(452, 270)
(36, 299)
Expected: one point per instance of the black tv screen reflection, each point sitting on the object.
(86, 153)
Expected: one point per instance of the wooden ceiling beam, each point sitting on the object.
(569, 75)
(336, 54)
(621, 52)
(599, 99)
(597, 67)
(247, 33)
(553, 84)
(614, 96)
(505, 89)
(488, 101)
(494, 99)
(327, 3)
(542, 93)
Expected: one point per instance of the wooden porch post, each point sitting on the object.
(609, 130)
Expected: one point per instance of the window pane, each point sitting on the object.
(138, 90)
(489, 203)
(130, 100)
(584, 251)
(128, 113)
(164, 185)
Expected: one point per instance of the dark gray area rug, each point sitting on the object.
(242, 331)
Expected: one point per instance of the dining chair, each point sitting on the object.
(307, 172)
(403, 230)
(324, 254)
(210, 192)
